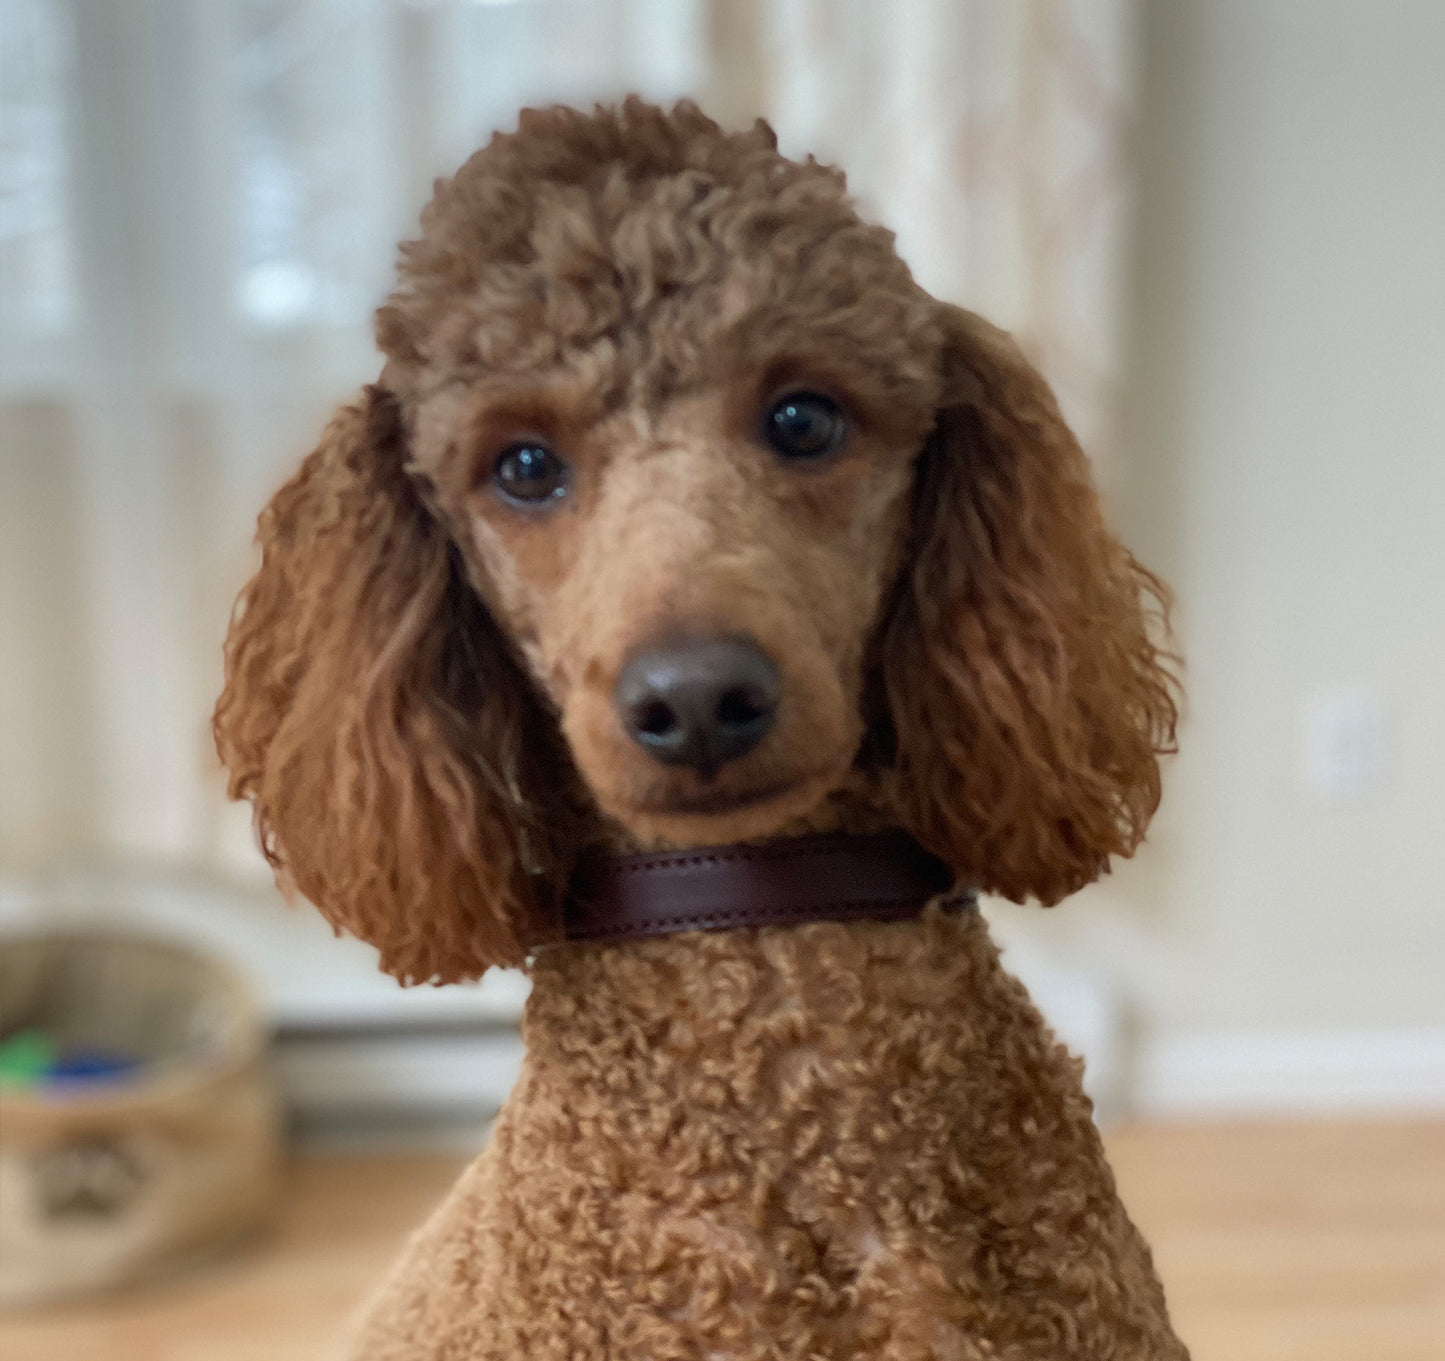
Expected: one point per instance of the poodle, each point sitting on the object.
(679, 517)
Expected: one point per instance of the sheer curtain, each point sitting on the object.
(199, 201)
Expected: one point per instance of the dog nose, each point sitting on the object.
(699, 702)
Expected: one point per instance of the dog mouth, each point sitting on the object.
(714, 801)
(717, 801)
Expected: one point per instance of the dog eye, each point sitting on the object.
(805, 425)
(529, 471)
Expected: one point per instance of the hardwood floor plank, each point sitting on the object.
(1307, 1242)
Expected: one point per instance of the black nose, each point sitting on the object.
(699, 702)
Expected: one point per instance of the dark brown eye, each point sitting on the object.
(805, 425)
(529, 471)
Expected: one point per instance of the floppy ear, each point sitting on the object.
(396, 756)
(1024, 661)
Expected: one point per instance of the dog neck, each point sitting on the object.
(884, 876)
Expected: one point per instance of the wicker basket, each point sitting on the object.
(102, 1183)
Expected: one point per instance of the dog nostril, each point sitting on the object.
(655, 719)
(742, 706)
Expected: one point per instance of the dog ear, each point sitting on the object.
(399, 763)
(1025, 659)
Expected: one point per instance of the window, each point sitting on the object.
(37, 246)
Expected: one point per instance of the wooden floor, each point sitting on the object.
(1298, 1243)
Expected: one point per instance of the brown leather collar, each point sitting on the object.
(885, 877)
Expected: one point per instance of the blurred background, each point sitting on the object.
(1218, 226)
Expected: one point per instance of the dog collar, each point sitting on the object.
(882, 877)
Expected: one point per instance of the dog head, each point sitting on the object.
(678, 506)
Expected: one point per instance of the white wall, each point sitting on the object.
(1288, 476)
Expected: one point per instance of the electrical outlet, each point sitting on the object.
(1344, 738)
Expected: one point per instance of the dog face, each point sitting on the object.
(687, 526)
(674, 484)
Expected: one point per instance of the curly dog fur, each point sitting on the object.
(818, 1142)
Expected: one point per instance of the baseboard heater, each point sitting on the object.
(413, 1084)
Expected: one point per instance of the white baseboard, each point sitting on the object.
(464, 1076)
(1289, 1073)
